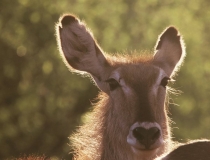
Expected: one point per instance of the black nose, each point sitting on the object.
(146, 137)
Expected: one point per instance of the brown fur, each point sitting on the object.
(193, 150)
(104, 136)
(100, 137)
(31, 157)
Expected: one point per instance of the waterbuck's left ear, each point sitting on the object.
(80, 51)
(169, 51)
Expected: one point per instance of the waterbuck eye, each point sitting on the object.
(164, 81)
(113, 84)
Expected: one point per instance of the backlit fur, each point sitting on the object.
(139, 99)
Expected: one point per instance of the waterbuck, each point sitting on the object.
(130, 120)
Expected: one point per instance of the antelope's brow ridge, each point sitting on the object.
(140, 72)
(120, 59)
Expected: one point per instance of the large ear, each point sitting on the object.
(169, 51)
(80, 51)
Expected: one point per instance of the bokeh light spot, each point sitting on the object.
(47, 67)
(21, 51)
(35, 17)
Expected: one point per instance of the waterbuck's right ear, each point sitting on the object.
(169, 51)
(80, 51)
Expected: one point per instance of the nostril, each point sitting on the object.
(140, 133)
(146, 137)
(155, 133)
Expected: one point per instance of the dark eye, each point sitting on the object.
(164, 81)
(113, 84)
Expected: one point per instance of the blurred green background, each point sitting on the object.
(41, 102)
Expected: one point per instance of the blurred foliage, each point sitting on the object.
(41, 102)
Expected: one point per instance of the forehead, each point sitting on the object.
(137, 73)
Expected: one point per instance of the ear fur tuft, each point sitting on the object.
(68, 19)
(170, 34)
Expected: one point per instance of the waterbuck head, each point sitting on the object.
(131, 118)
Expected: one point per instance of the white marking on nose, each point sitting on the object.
(147, 125)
